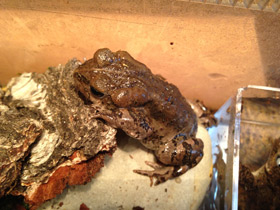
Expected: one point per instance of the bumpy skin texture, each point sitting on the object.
(126, 94)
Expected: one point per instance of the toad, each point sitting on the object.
(124, 93)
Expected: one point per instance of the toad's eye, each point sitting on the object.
(278, 161)
(96, 92)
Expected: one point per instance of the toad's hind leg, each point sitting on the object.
(181, 150)
(176, 157)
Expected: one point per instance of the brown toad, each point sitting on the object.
(125, 93)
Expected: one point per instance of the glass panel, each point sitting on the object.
(243, 143)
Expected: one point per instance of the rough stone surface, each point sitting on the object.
(46, 129)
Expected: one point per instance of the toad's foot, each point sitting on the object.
(160, 172)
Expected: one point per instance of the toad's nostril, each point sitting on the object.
(96, 93)
(81, 78)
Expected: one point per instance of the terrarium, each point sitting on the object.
(246, 150)
(208, 49)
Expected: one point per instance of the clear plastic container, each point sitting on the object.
(249, 123)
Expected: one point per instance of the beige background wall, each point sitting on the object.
(207, 51)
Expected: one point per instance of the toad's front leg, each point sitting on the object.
(176, 156)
